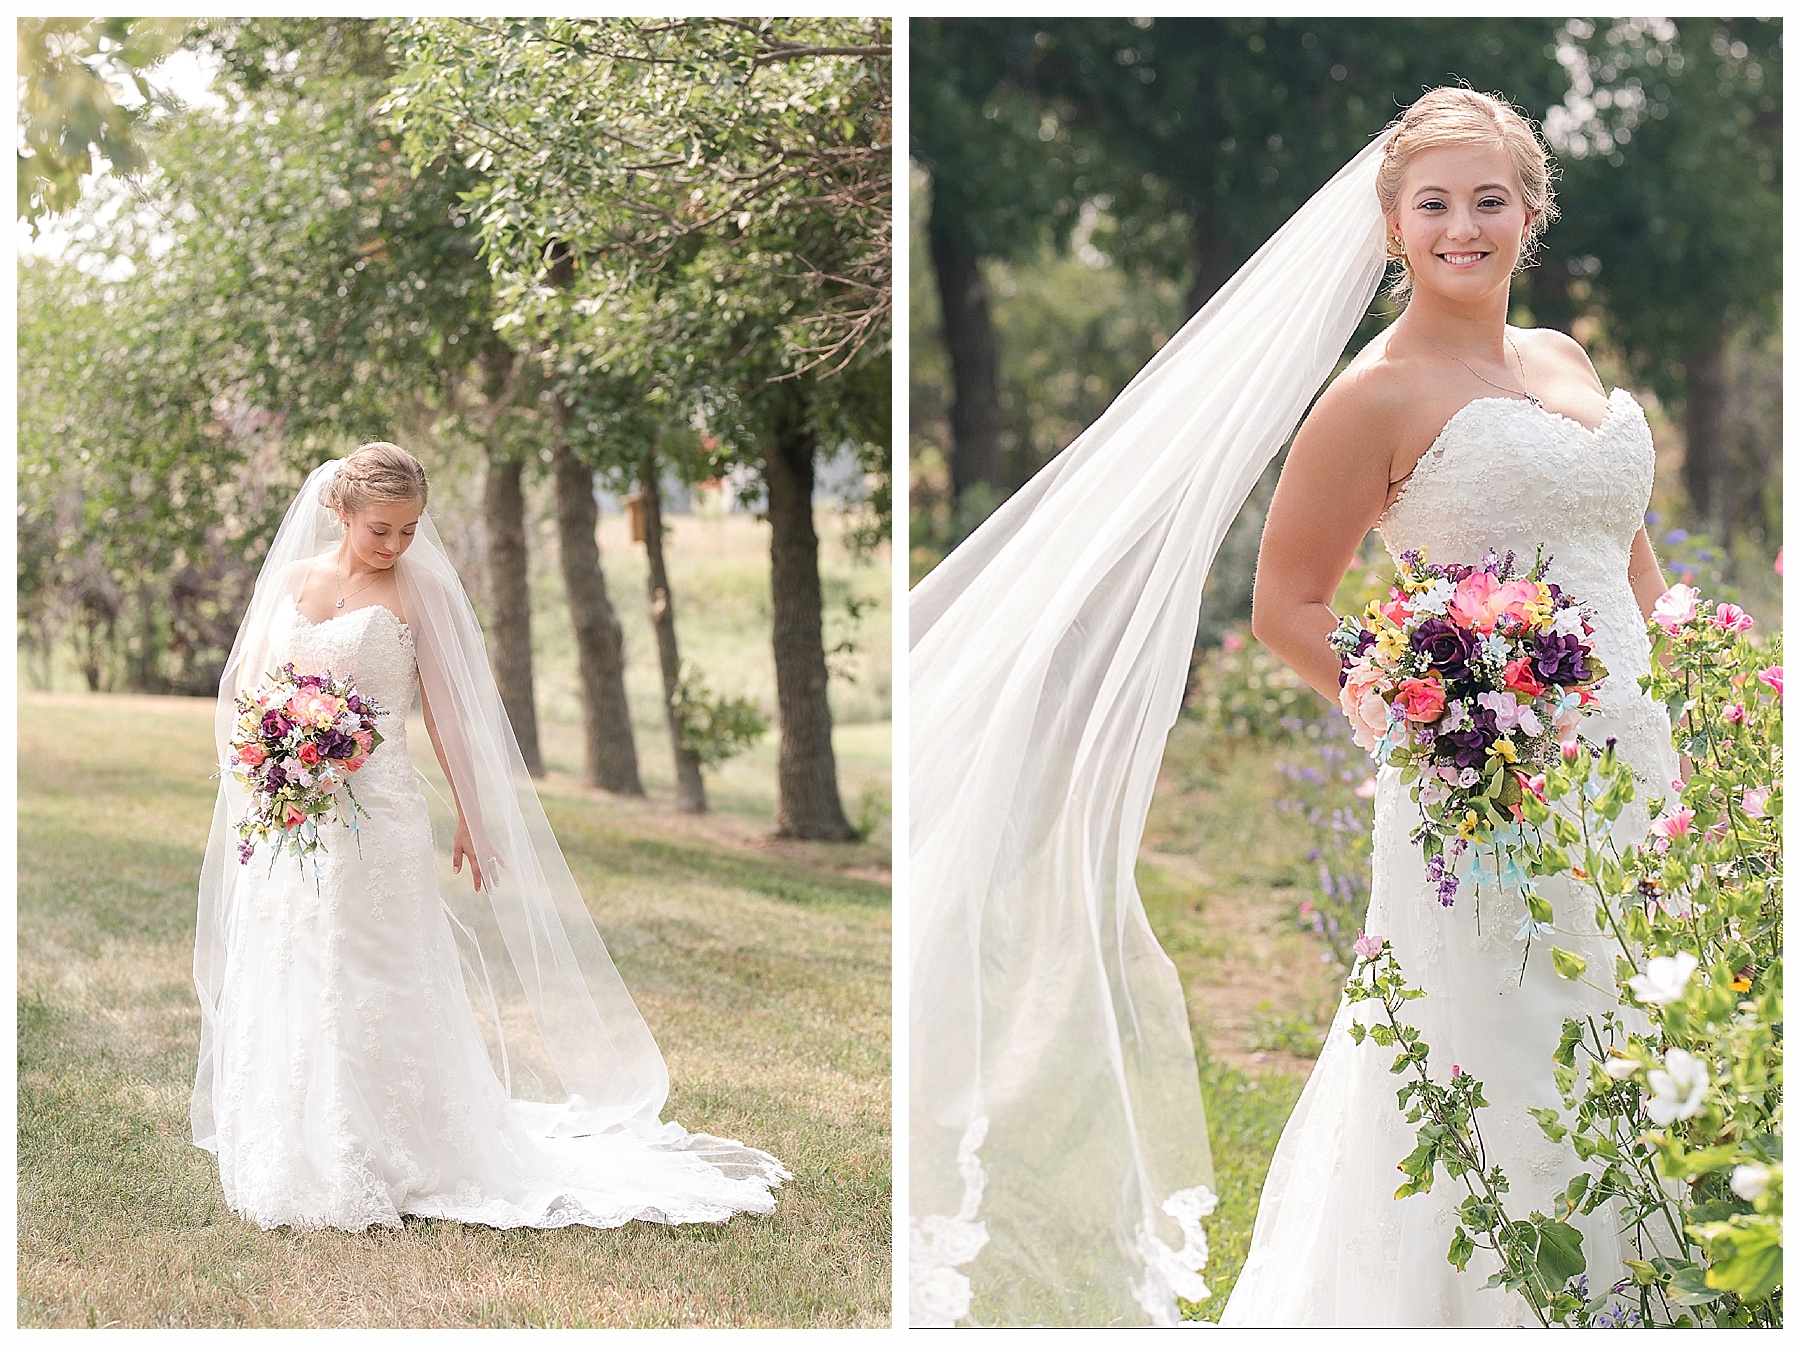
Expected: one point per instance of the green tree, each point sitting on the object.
(700, 206)
(72, 73)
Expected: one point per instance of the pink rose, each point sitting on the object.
(309, 753)
(1730, 617)
(1771, 677)
(252, 755)
(1676, 608)
(1421, 698)
(1756, 801)
(1363, 705)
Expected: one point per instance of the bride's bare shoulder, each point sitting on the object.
(1364, 404)
(1551, 350)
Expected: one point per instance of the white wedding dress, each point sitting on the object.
(353, 1083)
(1332, 1247)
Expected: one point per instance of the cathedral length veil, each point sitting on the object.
(562, 1029)
(1059, 1157)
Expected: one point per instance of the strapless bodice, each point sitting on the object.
(370, 645)
(1506, 475)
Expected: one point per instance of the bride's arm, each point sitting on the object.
(463, 847)
(1332, 490)
(1647, 583)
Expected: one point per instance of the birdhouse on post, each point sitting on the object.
(634, 515)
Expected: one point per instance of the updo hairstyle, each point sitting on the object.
(1457, 116)
(377, 472)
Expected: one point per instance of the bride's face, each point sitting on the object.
(1462, 219)
(379, 533)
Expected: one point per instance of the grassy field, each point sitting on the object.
(1221, 875)
(762, 967)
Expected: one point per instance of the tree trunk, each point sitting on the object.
(509, 599)
(610, 755)
(809, 804)
(1212, 258)
(974, 370)
(1703, 467)
(690, 788)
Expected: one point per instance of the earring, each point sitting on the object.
(1396, 250)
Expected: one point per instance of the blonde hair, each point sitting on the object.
(378, 471)
(1458, 116)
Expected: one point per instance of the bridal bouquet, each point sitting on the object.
(300, 737)
(1469, 678)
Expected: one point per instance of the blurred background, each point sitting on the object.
(1082, 186)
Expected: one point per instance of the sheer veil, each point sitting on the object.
(562, 1029)
(1059, 1159)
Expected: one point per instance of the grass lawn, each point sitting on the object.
(1221, 873)
(762, 967)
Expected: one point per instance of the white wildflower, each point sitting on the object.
(1678, 1090)
(1665, 980)
(1750, 1181)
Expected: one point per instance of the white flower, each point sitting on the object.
(1468, 777)
(1750, 1180)
(1436, 599)
(1665, 980)
(1494, 650)
(1620, 1067)
(1567, 622)
(1678, 1090)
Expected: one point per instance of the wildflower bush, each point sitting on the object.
(1327, 783)
(1673, 1099)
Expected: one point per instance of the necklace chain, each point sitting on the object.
(1528, 395)
(342, 596)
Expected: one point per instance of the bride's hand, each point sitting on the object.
(464, 848)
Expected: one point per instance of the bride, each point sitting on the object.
(1060, 1169)
(368, 1050)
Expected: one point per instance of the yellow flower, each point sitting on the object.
(1740, 982)
(1391, 641)
(1466, 829)
(1504, 750)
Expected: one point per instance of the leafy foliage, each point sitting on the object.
(1673, 1101)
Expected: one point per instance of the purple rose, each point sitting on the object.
(1559, 659)
(1445, 646)
(275, 725)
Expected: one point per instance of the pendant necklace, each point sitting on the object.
(1528, 395)
(354, 592)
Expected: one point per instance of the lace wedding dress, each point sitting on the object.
(353, 1083)
(1332, 1246)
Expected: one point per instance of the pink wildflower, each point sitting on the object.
(1771, 677)
(1734, 713)
(1455, 1072)
(1233, 642)
(1756, 801)
(1677, 824)
(1676, 608)
(1730, 617)
(1368, 946)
